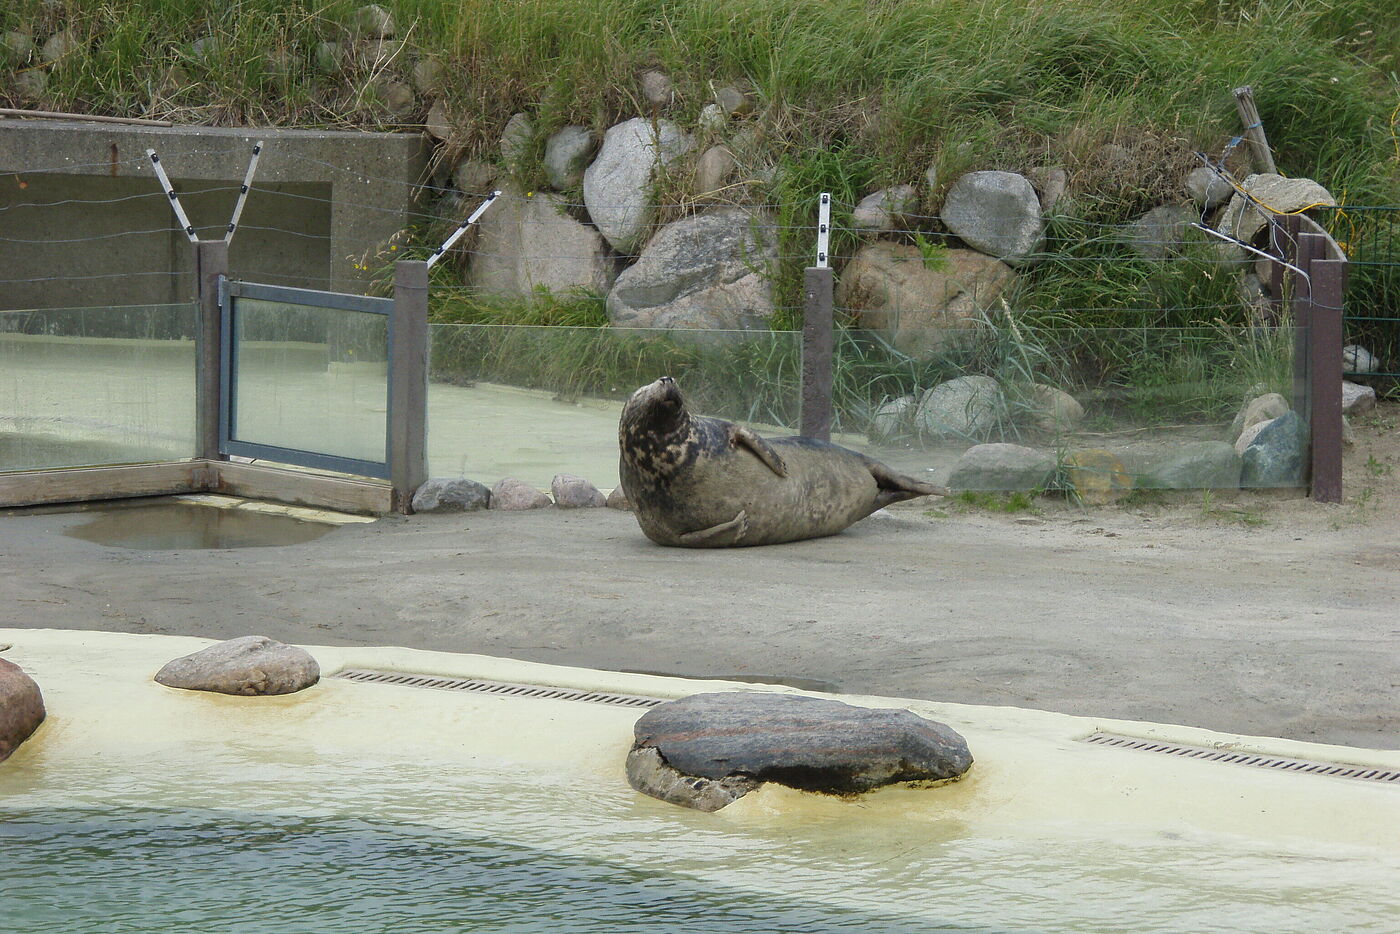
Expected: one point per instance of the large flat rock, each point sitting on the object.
(742, 739)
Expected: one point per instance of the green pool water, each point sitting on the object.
(143, 871)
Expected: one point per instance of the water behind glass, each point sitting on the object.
(311, 379)
(82, 387)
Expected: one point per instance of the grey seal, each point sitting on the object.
(701, 482)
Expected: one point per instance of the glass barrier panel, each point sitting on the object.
(531, 402)
(84, 387)
(1095, 412)
(310, 378)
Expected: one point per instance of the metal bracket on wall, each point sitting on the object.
(179, 209)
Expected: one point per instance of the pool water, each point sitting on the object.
(141, 871)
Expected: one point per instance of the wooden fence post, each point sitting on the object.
(211, 263)
(1261, 157)
(818, 342)
(408, 383)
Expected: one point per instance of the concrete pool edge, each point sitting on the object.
(1030, 765)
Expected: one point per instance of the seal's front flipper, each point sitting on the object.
(743, 437)
(718, 536)
(896, 487)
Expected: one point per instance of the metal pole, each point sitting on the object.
(1325, 370)
(243, 191)
(211, 266)
(408, 382)
(462, 228)
(818, 339)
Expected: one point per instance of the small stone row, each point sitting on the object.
(458, 494)
(703, 751)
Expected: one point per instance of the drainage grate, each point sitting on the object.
(1334, 769)
(499, 688)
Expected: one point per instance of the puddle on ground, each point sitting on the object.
(802, 684)
(189, 526)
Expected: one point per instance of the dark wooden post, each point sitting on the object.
(1325, 372)
(1302, 320)
(818, 342)
(408, 383)
(211, 263)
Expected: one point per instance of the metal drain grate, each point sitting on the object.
(499, 688)
(1334, 769)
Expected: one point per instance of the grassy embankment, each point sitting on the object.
(852, 95)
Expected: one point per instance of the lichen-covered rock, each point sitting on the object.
(1207, 188)
(1242, 220)
(1357, 399)
(1097, 477)
(997, 213)
(968, 407)
(246, 666)
(712, 270)
(1197, 465)
(527, 244)
(572, 492)
(706, 750)
(566, 155)
(617, 187)
(916, 305)
(1002, 467)
(1275, 457)
(512, 494)
(1162, 231)
(885, 209)
(21, 707)
(451, 494)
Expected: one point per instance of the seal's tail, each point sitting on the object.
(896, 487)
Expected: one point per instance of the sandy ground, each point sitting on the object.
(1259, 614)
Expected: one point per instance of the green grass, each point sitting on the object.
(1010, 503)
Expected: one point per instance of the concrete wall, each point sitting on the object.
(332, 197)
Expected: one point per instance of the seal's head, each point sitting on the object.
(656, 409)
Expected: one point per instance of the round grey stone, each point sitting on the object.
(997, 213)
(451, 494)
(572, 492)
(566, 155)
(1002, 467)
(247, 666)
(510, 493)
(968, 407)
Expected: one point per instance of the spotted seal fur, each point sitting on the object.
(701, 482)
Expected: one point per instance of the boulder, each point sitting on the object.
(1256, 410)
(1242, 220)
(885, 209)
(1053, 409)
(1207, 188)
(1248, 435)
(733, 101)
(1196, 465)
(617, 499)
(1002, 467)
(21, 707)
(516, 138)
(436, 123)
(997, 213)
(451, 494)
(473, 177)
(657, 88)
(1275, 457)
(917, 309)
(969, 407)
(706, 750)
(59, 46)
(712, 171)
(1357, 399)
(712, 119)
(510, 493)
(372, 21)
(712, 270)
(1162, 231)
(892, 419)
(428, 76)
(566, 155)
(397, 98)
(1050, 182)
(246, 666)
(1357, 359)
(572, 492)
(31, 85)
(617, 187)
(1097, 477)
(526, 244)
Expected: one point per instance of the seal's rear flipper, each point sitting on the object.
(718, 536)
(897, 487)
(743, 437)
